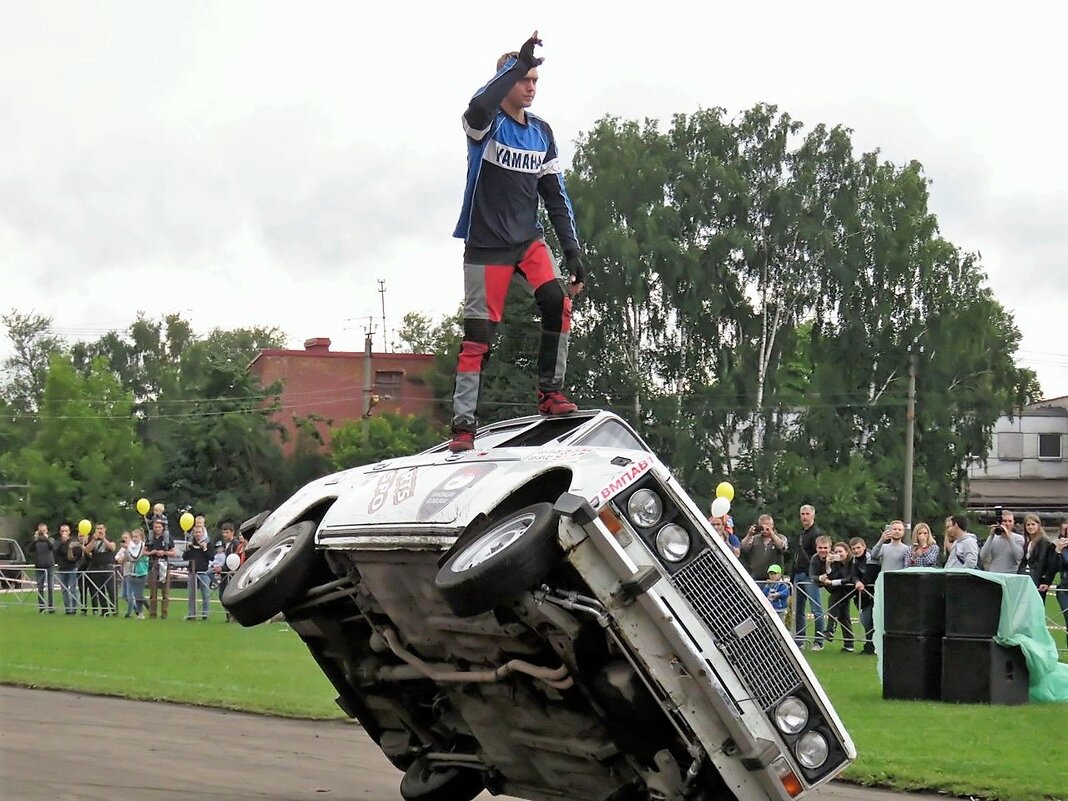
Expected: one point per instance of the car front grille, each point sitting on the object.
(741, 628)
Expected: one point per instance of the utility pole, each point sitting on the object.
(367, 385)
(910, 425)
(382, 293)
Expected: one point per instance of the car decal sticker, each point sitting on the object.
(405, 488)
(381, 492)
(454, 484)
(625, 478)
(558, 455)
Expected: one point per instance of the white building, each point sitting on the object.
(1027, 469)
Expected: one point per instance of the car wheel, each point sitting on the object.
(423, 782)
(273, 577)
(510, 557)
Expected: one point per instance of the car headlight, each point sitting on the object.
(645, 508)
(791, 715)
(672, 542)
(811, 750)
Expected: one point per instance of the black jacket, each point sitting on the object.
(40, 552)
(805, 549)
(63, 554)
(1041, 561)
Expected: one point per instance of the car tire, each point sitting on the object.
(422, 782)
(273, 577)
(509, 557)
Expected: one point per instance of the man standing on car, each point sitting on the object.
(512, 159)
(807, 588)
(42, 555)
(160, 547)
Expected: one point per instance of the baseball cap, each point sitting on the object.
(218, 543)
(775, 569)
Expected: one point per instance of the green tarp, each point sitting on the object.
(1022, 623)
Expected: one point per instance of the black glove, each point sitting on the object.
(575, 268)
(526, 53)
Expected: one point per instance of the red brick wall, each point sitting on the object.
(330, 384)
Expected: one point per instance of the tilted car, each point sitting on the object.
(548, 616)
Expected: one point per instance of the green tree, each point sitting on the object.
(24, 372)
(85, 459)
(388, 436)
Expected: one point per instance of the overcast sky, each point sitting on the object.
(266, 163)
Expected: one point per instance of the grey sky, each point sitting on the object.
(265, 163)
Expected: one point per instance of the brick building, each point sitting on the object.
(330, 384)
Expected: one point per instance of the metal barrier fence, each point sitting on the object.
(108, 593)
(1057, 625)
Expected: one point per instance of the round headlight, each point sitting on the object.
(791, 715)
(672, 542)
(645, 508)
(811, 750)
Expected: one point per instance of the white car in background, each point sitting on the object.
(548, 616)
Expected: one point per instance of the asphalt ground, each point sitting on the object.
(63, 746)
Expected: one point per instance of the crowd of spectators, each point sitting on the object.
(846, 570)
(95, 573)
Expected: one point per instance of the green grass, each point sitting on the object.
(1008, 753)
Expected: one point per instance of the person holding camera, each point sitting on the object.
(1004, 548)
(101, 571)
(890, 551)
(839, 581)
(42, 555)
(763, 546)
(924, 551)
(68, 553)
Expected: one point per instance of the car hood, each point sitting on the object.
(446, 490)
(451, 491)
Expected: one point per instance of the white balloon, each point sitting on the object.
(720, 507)
(233, 561)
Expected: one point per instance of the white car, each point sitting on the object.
(547, 616)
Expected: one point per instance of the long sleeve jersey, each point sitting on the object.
(510, 164)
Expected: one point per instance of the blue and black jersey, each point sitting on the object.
(509, 166)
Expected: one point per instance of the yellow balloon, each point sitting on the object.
(84, 526)
(186, 521)
(725, 490)
(143, 506)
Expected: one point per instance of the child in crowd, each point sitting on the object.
(777, 591)
(218, 562)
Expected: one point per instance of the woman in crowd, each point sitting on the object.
(1060, 548)
(924, 551)
(1040, 560)
(839, 581)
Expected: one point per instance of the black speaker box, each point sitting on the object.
(914, 602)
(912, 666)
(979, 671)
(973, 606)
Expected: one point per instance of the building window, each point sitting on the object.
(1010, 446)
(1049, 446)
(388, 383)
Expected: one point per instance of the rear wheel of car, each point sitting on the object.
(423, 782)
(511, 556)
(273, 577)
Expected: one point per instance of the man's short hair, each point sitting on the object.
(506, 57)
(960, 521)
(227, 526)
(808, 507)
(858, 541)
(823, 539)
